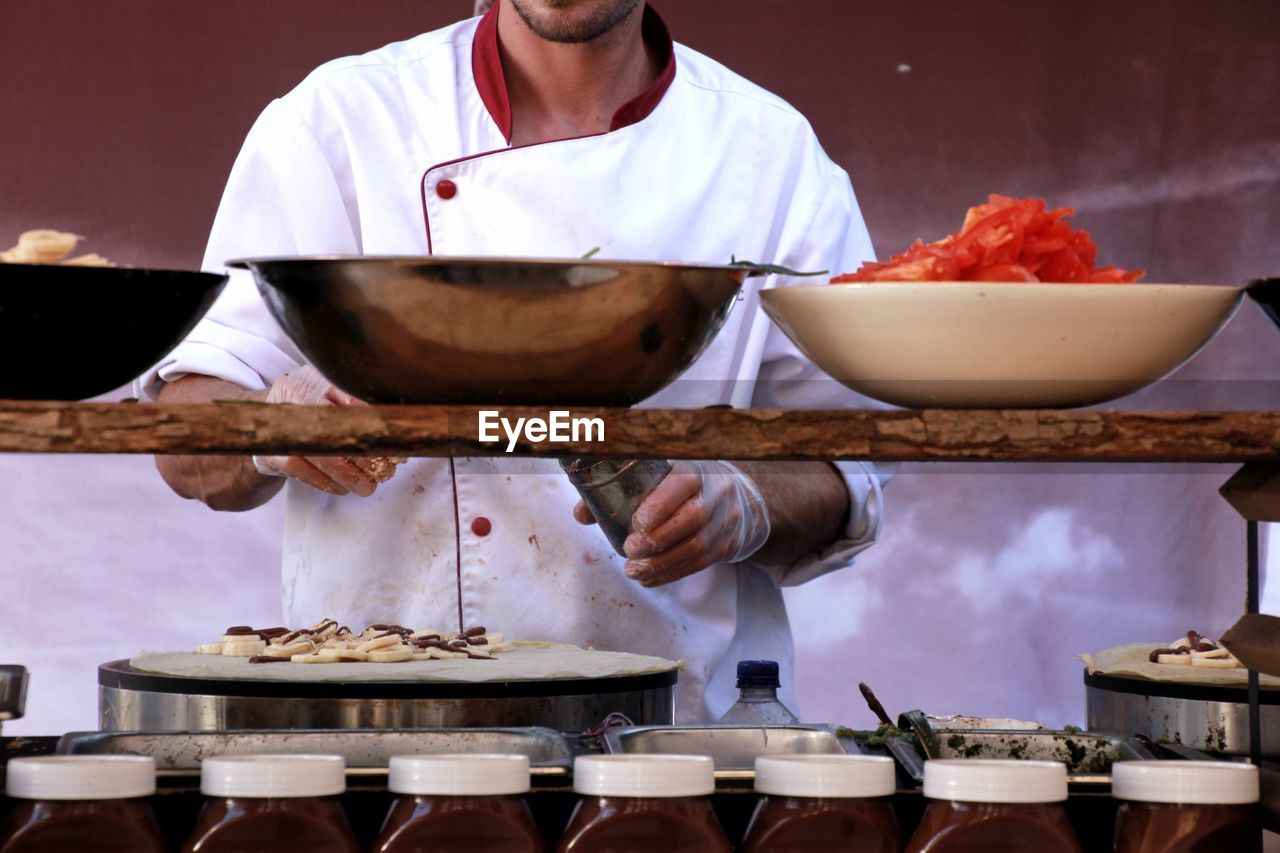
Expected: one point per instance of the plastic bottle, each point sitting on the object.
(758, 703)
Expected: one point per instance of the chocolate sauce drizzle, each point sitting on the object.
(1196, 643)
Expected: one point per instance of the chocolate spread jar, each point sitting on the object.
(1184, 806)
(76, 803)
(641, 803)
(272, 802)
(452, 803)
(994, 807)
(824, 802)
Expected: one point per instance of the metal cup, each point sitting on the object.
(613, 488)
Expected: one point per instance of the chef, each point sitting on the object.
(543, 128)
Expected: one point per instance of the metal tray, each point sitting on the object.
(1088, 755)
(734, 748)
(367, 752)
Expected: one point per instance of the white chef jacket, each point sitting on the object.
(702, 166)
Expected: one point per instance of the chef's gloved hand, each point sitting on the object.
(703, 513)
(336, 475)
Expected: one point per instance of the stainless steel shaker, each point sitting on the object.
(613, 488)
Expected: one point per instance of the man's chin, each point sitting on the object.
(573, 21)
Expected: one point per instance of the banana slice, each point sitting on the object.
(327, 642)
(302, 648)
(394, 655)
(316, 657)
(1215, 663)
(1209, 655)
(495, 643)
(245, 648)
(379, 643)
(1181, 660)
(324, 630)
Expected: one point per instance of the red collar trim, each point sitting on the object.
(486, 67)
(658, 36)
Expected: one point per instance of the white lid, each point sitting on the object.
(644, 775)
(273, 776)
(995, 781)
(825, 775)
(459, 775)
(1210, 783)
(81, 777)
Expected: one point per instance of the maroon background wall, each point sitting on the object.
(1158, 119)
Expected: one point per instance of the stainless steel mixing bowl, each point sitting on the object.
(1266, 292)
(69, 332)
(490, 330)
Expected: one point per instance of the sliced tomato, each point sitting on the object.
(1084, 247)
(1115, 275)
(1002, 239)
(1003, 272)
(994, 239)
(1065, 266)
(1039, 246)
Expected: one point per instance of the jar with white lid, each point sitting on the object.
(978, 806)
(824, 803)
(272, 802)
(643, 803)
(1176, 806)
(459, 802)
(74, 803)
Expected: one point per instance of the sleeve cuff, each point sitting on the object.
(865, 482)
(209, 352)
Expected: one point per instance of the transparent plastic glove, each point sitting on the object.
(336, 475)
(703, 513)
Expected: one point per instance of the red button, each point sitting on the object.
(446, 189)
(481, 526)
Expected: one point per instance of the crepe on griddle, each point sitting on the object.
(1132, 661)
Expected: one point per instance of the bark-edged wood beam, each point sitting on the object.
(889, 435)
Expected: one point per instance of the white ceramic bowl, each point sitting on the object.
(998, 345)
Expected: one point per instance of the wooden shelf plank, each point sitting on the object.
(894, 435)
